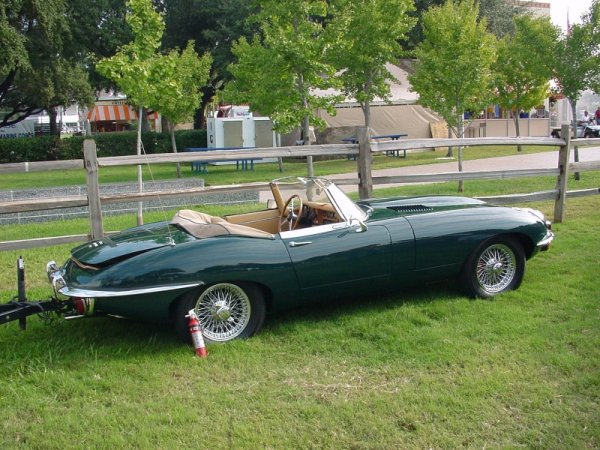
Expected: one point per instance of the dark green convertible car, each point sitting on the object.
(313, 244)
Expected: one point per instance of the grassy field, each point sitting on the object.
(426, 368)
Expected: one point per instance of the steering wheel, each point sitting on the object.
(291, 213)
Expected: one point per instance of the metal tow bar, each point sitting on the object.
(19, 308)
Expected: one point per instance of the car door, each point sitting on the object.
(337, 259)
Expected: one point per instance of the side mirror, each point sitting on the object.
(271, 204)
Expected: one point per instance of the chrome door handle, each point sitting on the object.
(299, 244)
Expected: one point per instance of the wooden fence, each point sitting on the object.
(91, 163)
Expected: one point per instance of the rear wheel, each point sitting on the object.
(225, 311)
(496, 266)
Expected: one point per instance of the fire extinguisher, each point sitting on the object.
(196, 334)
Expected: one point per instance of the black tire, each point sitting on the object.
(589, 135)
(225, 311)
(496, 266)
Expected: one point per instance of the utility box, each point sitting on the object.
(241, 132)
(238, 132)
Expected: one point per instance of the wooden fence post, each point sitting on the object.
(93, 189)
(365, 177)
(563, 175)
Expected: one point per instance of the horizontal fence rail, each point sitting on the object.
(94, 201)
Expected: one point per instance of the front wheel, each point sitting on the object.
(496, 266)
(225, 311)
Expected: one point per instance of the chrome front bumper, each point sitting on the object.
(544, 244)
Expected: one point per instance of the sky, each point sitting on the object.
(575, 9)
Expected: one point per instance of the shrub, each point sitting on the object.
(48, 148)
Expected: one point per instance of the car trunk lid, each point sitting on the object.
(129, 243)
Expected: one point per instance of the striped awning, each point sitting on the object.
(111, 112)
(116, 113)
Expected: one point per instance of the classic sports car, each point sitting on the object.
(314, 243)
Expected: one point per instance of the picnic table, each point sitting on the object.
(202, 166)
(393, 137)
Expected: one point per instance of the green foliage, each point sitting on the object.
(277, 72)
(134, 68)
(500, 15)
(523, 67)
(184, 75)
(48, 148)
(213, 26)
(169, 83)
(577, 57)
(364, 38)
(35, 73)
(454, 68)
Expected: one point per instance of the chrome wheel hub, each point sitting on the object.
(220, 311)
(223, 311)
(496, 268)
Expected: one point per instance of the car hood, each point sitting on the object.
(129, 243)
(418, 205)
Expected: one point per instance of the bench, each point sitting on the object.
(202, 166)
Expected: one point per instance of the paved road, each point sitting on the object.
(545, 160)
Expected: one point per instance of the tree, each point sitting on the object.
(577, 58)
(97, 29)
(185, 76)
(500, 15)
(277, 72)
(35, 74)
(213, 26)
(523, 69)
(366, 38)
(453, 72)
(148, 78)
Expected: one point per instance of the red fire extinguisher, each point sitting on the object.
(196, 334)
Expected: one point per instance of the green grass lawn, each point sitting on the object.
(425, 368)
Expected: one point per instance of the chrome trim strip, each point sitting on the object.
(547, 239)
(76, 292)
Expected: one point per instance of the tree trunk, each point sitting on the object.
(53, 115)
(306, 137)
(573, 103)
(174, 145)
(140, 217)
(518, 130)
(461, 134)
(450, 153)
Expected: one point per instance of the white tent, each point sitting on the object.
(400, 114)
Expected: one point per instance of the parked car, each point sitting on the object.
(313, 245)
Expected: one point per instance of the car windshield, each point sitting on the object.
(320, 190)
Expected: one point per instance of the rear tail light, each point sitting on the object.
(84, 305)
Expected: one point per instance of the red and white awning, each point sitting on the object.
(114, 113)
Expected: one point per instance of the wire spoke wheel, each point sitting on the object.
(496, 268)
(223, 311)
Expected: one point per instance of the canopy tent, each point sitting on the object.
(414, 120)
(400, 114)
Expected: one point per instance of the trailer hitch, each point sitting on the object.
(19, 308)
